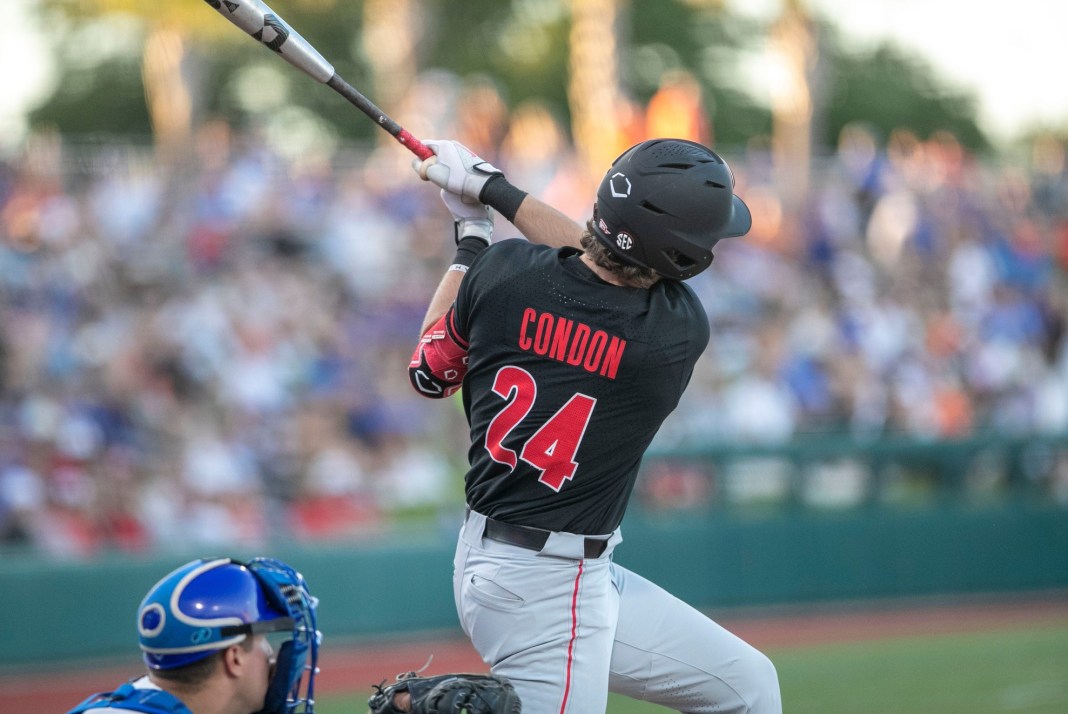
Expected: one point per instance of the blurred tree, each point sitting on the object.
(795, 44)
(887, 88)
(598, 121)
(135, 69)
(521, 44)
(705, 41)
(130, 68)
(391, 32)
(98, 70)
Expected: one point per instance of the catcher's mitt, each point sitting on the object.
(448, 694)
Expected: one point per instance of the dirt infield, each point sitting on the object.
(357, 667)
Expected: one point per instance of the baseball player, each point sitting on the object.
(204, 631)
(572, 347)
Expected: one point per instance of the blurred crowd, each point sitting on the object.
(212, 349)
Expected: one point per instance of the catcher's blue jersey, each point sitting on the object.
(130, 698)
(569, 378)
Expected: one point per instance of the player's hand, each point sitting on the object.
(471, 221)
(456, 169)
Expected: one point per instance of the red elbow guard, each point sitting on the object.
(439, 362)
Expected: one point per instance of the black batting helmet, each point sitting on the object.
(664, 203)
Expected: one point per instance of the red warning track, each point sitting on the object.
(356, 668)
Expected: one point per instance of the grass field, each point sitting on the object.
(1022, 670)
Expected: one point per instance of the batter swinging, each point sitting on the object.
(572, 349)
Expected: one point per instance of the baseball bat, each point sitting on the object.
(264, 25)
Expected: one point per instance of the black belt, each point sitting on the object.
(534, 538)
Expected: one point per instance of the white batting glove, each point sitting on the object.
(470, 221)
(456, 169)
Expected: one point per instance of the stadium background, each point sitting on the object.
(212, 270)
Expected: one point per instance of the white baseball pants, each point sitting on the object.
(566, 630)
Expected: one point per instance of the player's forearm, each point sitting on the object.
(541, 223)
(467, 249)
(444, 297)
(538, 221)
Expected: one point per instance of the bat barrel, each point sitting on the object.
(259, 21)
(264, 25)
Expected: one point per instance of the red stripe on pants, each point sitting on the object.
(574, 634)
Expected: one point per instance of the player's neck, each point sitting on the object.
(210, 697)
(604, 274)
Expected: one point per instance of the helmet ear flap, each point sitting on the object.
(686, 264)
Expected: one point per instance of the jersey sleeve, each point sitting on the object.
(499, 264)
(439, 362)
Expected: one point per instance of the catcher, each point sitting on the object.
(206, 632)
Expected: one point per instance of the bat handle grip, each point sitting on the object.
(365, 105)
(413, 145)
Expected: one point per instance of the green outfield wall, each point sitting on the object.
(716, 557)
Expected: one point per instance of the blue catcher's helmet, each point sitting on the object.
(210, 604)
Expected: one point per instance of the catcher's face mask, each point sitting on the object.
(288, 591)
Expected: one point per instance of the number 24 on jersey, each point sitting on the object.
(552, 448)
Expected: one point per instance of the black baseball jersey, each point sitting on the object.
(568, 380)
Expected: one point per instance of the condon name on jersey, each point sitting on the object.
(571, 342)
